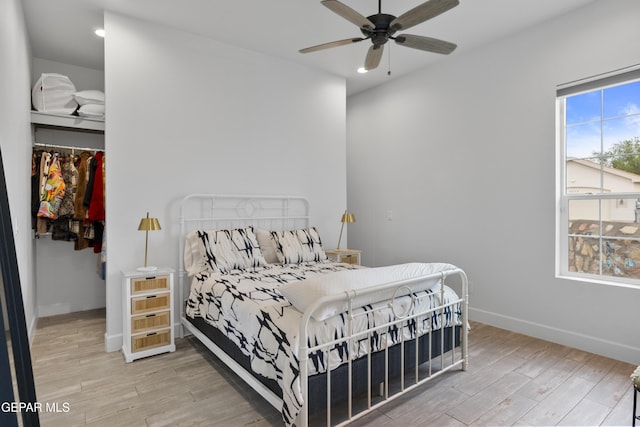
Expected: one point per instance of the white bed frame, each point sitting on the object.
(211, 211)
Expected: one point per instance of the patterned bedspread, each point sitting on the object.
(248, 308)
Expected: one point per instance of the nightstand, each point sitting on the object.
(147, 313)
(349, 256)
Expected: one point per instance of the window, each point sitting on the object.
(598, 218)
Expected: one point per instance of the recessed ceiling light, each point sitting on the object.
(99, 32)
(362, 70)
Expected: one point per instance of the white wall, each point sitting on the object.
(67, 280)
(188, 114)
(463, 154)
(15, 140)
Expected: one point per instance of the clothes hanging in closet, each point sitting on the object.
(70, 177)
(43, 172)
(68, 197)
(62, 226)
(53, 190)
(80, 211)
(35, 184)
(94, 200)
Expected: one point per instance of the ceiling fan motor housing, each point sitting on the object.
(382, 31)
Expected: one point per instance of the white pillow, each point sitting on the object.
(91, 110)
(303, 293)
(193, 259)
(84, 97)
(296, 246)
(267, 246)
(221, 251)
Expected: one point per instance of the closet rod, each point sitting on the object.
(68, 147)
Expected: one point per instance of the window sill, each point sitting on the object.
(598, 280)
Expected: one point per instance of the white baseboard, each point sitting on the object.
(614, 350)
(179, 331)
(54, 309)
(112, 342)
(65, 308)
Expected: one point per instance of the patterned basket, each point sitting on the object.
(635, 377)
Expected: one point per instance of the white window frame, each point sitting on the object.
(627, 75)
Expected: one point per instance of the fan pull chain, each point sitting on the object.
(389, 58)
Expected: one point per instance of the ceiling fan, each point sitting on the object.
(382, 27)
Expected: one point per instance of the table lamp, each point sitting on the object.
(147, 224)
(346, 217)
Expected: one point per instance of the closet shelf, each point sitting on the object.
(67, 121)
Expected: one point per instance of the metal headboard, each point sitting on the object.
(227, 211)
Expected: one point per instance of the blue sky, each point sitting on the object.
(602, 117)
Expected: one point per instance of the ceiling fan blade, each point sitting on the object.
(425, 43)
(349, 14)
(373, 57)
(421, 13)
(331, 44)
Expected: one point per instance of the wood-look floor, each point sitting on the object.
(512, 380)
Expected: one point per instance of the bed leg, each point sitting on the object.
(465, 347)
(465, 320)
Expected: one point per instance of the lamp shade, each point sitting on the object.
(149, 224)
(348, 217)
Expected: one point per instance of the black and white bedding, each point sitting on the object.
(249, 307)
(253, 286)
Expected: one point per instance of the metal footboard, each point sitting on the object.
(408, 323)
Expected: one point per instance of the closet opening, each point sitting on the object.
(68, 221)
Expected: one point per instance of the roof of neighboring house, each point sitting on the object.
(619, 172)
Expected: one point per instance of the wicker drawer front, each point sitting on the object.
(150, 340)
(150, 303)
(152, 283)
(150, 321)
(349, 259)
